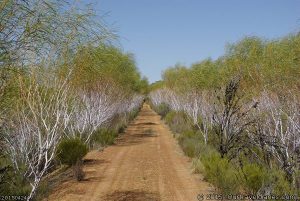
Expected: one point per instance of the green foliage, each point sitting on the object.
(104, 136)
(272, 65)
(133, 114)
(280, 185)
(189, 143)
(42, 191)
(221, 173)
(170, 116)
(255, 177)
(178, 122)
(69, 151)
(162, 109)
(94, 66)
(11, 182)
(156, 85)
(262, 66)
(190, 146)
(197, 165)
(205, 75)
(143, 86)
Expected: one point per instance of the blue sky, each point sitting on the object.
(161, 33)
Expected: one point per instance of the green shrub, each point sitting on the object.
(177, 122)
(213, 139)
(255, 177)
(190, 143)
(170, 116)
(12, 182)
(104, 136)
(202, 150)
(69, 151)
(197, 166)
(280, 185)
(190, 147)
(133, 113)
(162, 110)
(220, 173)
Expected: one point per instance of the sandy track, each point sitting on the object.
(146, 164)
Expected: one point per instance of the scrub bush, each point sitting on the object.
(255, 177)
(220, 172)
(70, 151)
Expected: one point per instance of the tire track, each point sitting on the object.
(145, 164)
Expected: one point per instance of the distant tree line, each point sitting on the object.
(245, 105)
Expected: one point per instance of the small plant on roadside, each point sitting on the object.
(71, 150)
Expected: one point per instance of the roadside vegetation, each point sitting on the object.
(238, 116)
(65, 89)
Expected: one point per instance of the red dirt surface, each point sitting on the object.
(145, 164)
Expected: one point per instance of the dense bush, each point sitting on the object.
(245, 105)
(221, 173)
(278, 183)
(69, 151)
(255, 177)
(12, 183)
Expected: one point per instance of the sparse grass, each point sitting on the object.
(197, 166)
(104, 137)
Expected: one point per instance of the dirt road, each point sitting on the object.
(146, 164)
